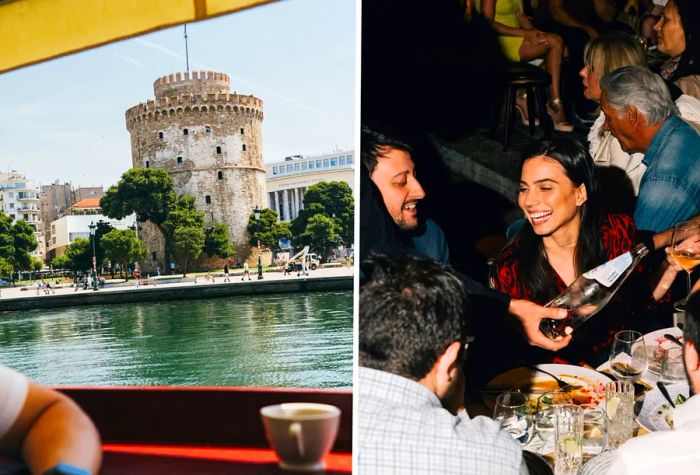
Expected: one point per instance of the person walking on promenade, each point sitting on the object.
(246, 271)
(226, 276)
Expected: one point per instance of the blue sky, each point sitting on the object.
(64, 119)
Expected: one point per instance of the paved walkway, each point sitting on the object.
(168, 282)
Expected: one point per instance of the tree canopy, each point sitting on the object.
(121, 246)
(148, 192)
(268, 229)
(216, 241)
(321, 234)
(188, 242)
(332, 199)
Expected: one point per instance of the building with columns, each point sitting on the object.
(287, 180)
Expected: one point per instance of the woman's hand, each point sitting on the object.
(668, 271)
(530, 315)
(535, 36)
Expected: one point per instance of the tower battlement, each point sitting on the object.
(191, 82)
(201, 103)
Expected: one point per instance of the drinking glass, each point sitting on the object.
(628, 356)
(672, 367)
(545, 416)
(595, 433)
(685, 249)
(513, 413)
(619, 407)
(568, 432)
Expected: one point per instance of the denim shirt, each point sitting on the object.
(670, 188)
(432, 243)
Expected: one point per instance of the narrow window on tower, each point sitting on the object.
(218, 150)
(244, 147)
(220, 175)
(185, 132)
(207, 129)
(148, 164)
(153, 255)
(241, 130)
(160, 135)
(207, 199)
(179, 159)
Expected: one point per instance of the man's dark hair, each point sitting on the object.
(374, 141)
(411, 309)
(691, 330)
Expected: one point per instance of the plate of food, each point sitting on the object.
(657, 345)
(656, 413)
(587, 386)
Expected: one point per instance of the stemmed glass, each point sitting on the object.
(513, 413)
(685, 249)
(628, 356)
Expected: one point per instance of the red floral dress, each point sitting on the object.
(592, 341)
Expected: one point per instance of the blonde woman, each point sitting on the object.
(605, 54)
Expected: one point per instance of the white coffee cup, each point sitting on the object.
(302, 433)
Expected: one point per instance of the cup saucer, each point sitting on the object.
(302, 467)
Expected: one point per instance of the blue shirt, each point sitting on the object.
(670, 188)
(432, 243)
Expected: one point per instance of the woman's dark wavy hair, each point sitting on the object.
(533, 268)
(689, 11)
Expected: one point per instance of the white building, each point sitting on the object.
(75, 223)
(288, 180)
(20, 201)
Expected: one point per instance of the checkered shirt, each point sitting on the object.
(403, 429)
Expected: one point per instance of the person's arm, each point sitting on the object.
(663, 238)
(664, 276)
(560, 15)
(51, 429)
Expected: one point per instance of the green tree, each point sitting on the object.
(79, 255)
(188, 242)
(267, 229)
(102, 228)
(5, 268)
(216, 241)
(24, 244)
(148, 192)
(330, 198)
(36, 264)
(321, 234)
(7, 239)
(183, 214)
(121, 246)
(60, 262)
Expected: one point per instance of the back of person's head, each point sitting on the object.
(375, 139)
(611, 51)
(691, 330)
(639, 87)
(580, 169)
(411, 309)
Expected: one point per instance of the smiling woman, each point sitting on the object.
(565, 234)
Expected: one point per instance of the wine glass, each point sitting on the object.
(685, 249)
(628, 356)
(546, 412)
(513, 413)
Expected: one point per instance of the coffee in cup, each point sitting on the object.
(301, 433)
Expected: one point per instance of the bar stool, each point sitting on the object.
(535, 81)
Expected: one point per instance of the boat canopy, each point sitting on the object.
(39, 30)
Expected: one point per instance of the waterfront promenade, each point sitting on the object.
(174, 288)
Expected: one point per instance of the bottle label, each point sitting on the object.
(606, 274)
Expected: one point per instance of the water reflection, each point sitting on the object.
(283, 340)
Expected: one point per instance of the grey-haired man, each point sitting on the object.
(640, 113)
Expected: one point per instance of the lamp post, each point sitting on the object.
(92, 227)
(256, 212)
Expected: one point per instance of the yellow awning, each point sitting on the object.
(32, 31)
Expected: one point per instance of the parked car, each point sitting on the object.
(4, 283)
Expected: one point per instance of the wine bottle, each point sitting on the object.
(590, 292)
